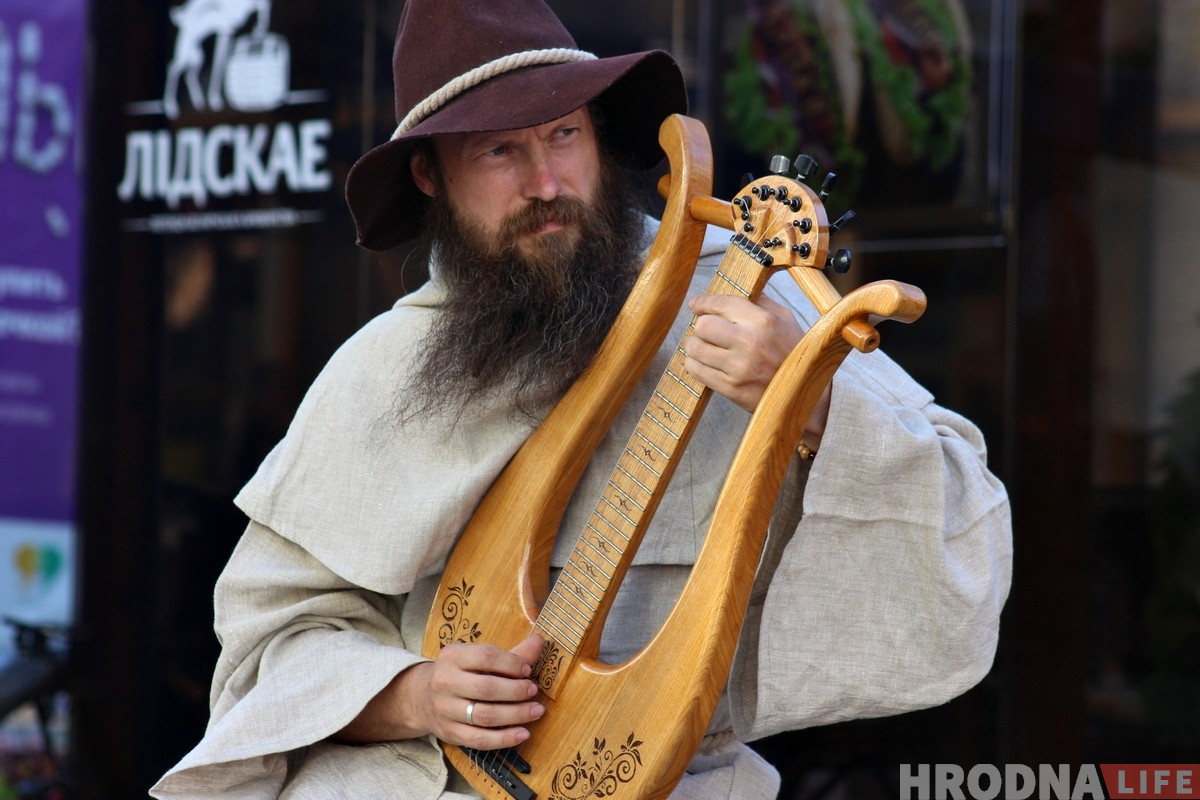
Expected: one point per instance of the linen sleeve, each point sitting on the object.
(303, 651)
(886, 596)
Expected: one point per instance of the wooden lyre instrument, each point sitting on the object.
(629, 730)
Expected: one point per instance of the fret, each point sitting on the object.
(602, 536)
(670, 432)
(736, 286)
(568, 641)
(569, 614)
(636, 465)
(646, 460)
(552, 612)
(608, 523)
(650, 449)
(677, 357)
(566, 628)
(568, 588)
(602, 554)
(602, 543)
(587, 573)
(683, 414)
(616, 508)
(640, 485)
(571, 596)
(591, 571)
(597, 515)
(695, 393)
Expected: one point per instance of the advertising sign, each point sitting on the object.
(230, 144)
(42, 45)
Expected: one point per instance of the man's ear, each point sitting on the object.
(422, 172)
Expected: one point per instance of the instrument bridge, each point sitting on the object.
(501, 766)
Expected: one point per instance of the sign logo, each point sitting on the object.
(1049, 782)
(260, 59)
(227, 60)
(39, 104)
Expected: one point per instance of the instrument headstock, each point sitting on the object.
(779, 236)
(787, 219)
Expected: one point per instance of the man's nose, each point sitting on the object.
(541, 180)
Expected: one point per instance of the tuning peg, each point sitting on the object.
(806, 166)
(842, 220)
(747, 178)
(840, 261)
(780, 165)
(827, 186)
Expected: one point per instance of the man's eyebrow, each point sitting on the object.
(473, 141)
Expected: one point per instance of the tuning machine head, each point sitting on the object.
(804, 165)
(840, 261)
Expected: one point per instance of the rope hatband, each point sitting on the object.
(476, 76)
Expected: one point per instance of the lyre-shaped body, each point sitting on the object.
(629, 730)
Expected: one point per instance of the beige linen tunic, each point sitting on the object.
(887, 566)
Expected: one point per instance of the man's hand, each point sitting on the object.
(432, 697)
(738, 346)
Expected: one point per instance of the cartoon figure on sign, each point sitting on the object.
(258, 57)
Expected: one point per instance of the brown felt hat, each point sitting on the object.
(468, 66)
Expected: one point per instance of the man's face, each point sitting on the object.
(491, 178)
(537, 234)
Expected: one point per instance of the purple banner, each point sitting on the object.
(42, 45)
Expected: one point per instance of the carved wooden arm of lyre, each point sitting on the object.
(721, 579)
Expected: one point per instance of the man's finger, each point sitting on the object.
(484, 658)
(722, 305)
(529, 650)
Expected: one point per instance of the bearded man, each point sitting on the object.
(888, 557)
(528, 302)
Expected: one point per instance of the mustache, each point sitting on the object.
(531, 218)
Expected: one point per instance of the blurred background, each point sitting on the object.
(177, 264)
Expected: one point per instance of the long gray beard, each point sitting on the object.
(528, 326)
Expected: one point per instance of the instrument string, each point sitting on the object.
(589, 571)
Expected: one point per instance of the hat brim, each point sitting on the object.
(635, 93)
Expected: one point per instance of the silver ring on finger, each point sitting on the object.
(471, 713)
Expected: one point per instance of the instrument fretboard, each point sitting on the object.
(576, 605)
